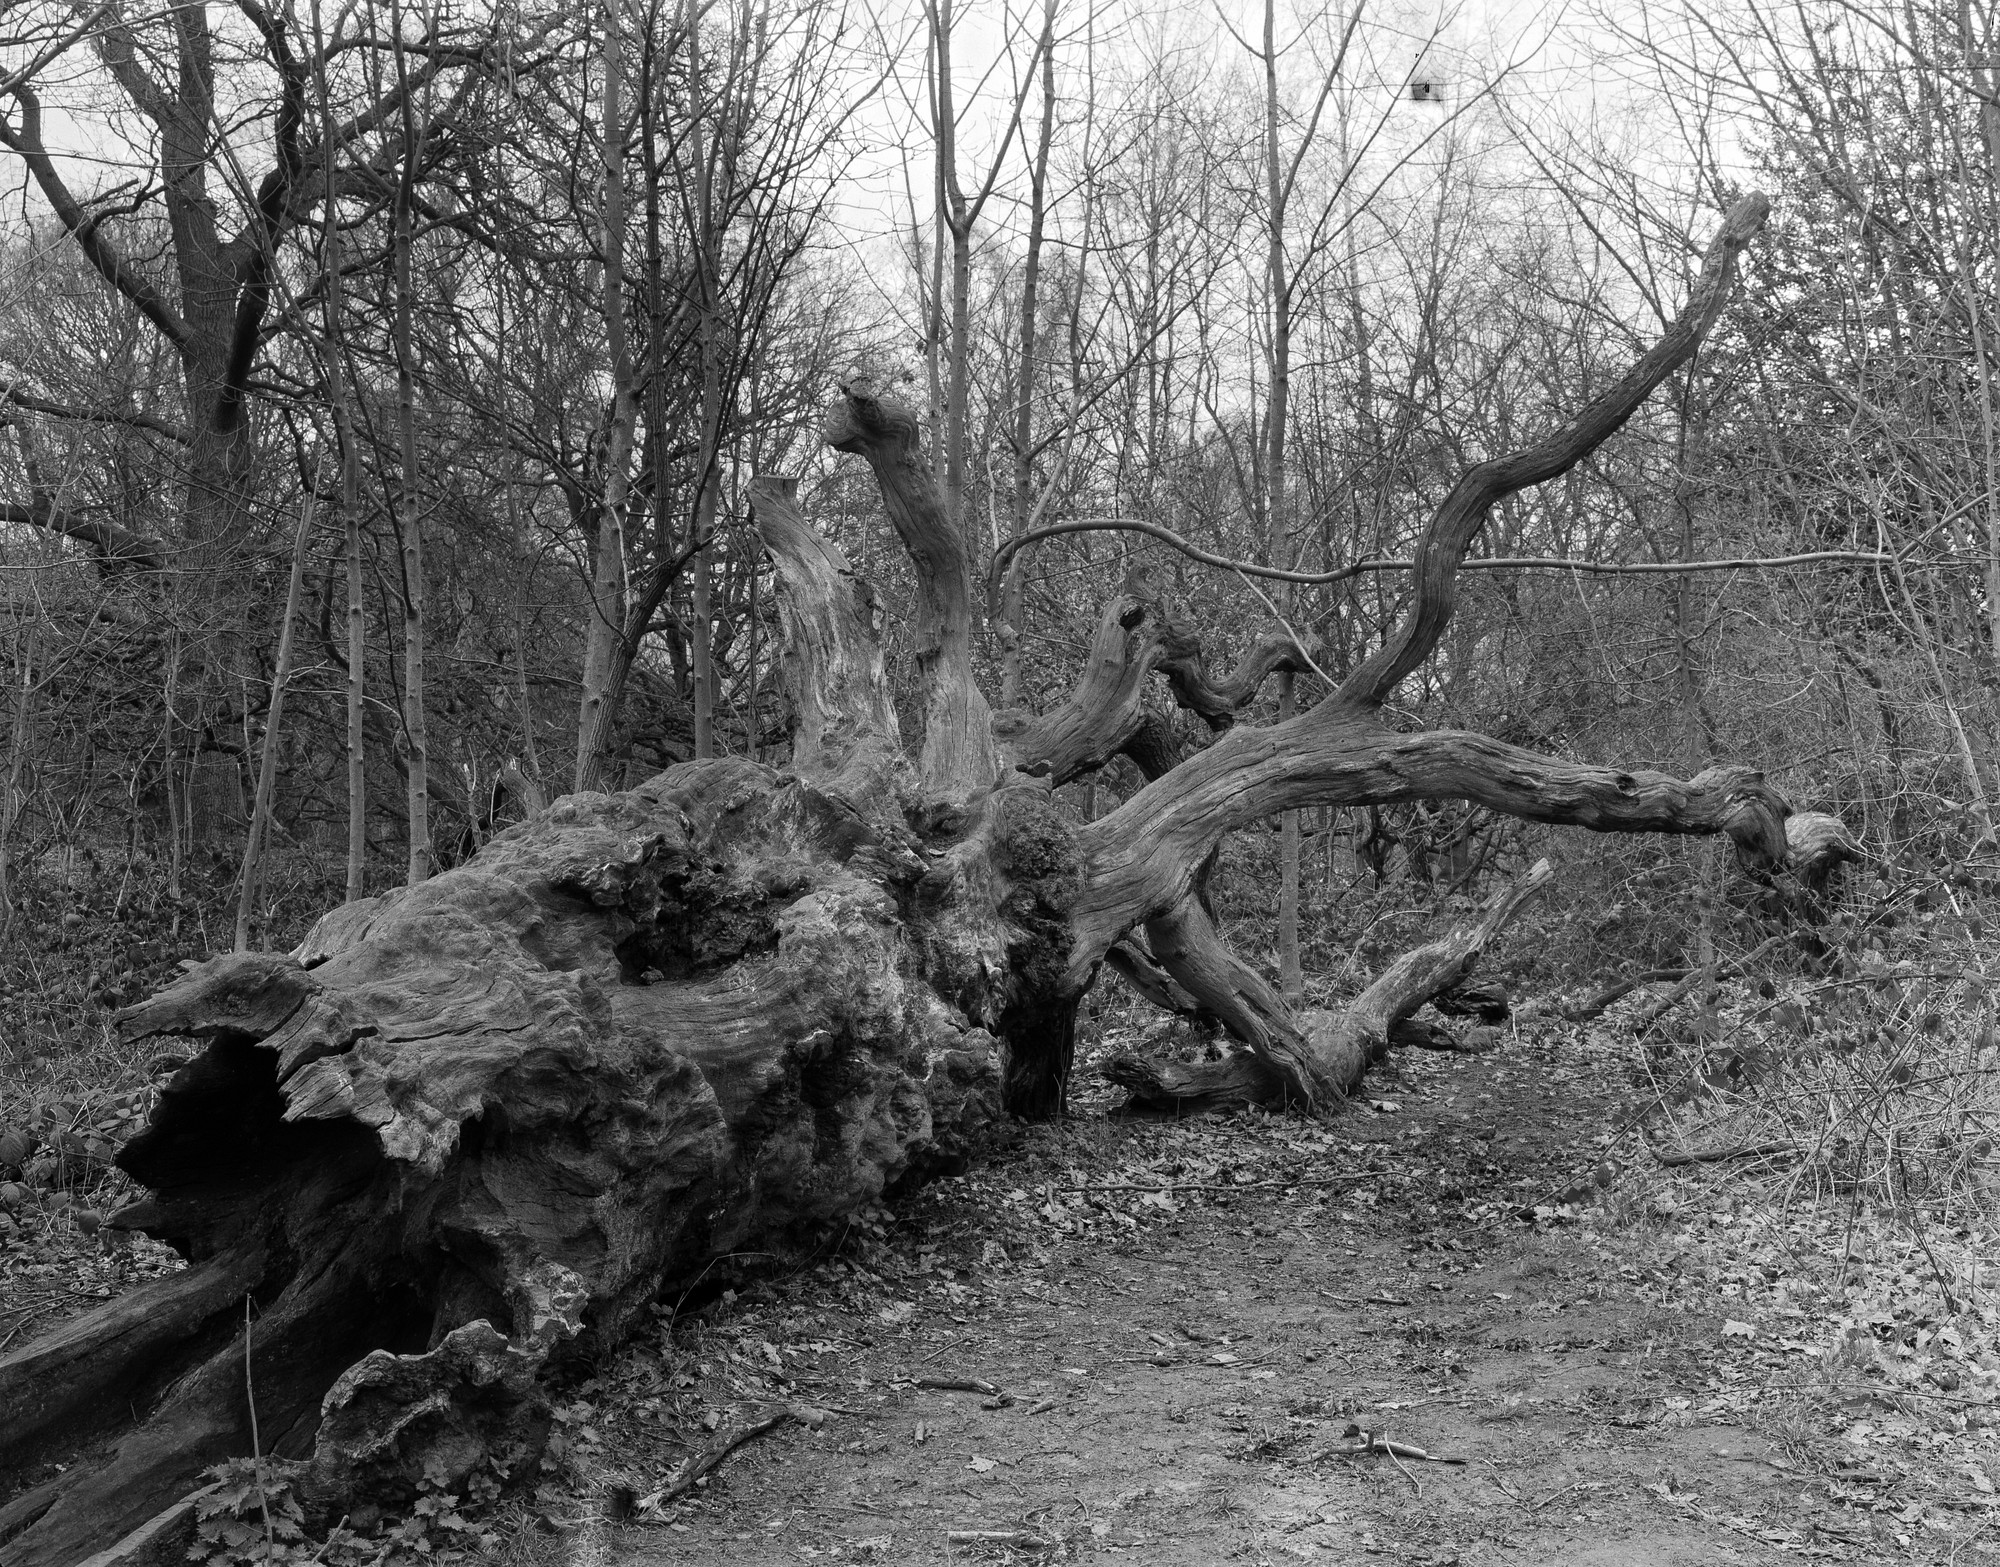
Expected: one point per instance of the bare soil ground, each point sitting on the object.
(1185, 1373)
(1175, 1341)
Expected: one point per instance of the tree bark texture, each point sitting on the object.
(473, 1128)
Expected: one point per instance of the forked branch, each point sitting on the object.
(1106, 713)
(1324, 1055)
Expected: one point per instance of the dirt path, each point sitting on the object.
(1183, 1367)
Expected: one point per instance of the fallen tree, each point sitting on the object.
(472, 1129)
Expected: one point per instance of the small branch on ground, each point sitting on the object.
(1600, 1003)
(1009, 1539)
(1696, 978)
(1376, 1442)
(958, 1385)
(697, 1468)
(1228, 1186)
(1724, 1155)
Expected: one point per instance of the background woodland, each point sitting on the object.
(400, 408)
(382, 385)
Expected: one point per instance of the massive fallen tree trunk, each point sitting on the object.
(471, 1129)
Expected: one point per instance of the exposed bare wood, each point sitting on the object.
(1274, 651)
(1134, 637)
(1361, 1031)
(843, 718)
(1188, 946)
(86, 1373)
(1182, 1088)
(1193, 1087)
(958, 755)
(472, 1128)
(1142, 858)
(489, 1038)
(1134, 961)
(1817, 845)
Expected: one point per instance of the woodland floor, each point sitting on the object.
(1668, 1371)
(1688, 1365)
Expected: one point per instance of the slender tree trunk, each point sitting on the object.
(607, 580)
(531, 757)
(1975, 310)
(409, 507)
(357, 666)
(957, 216)
(1986, 80)
(701, 612)
(27, 648)
(1291, 971)
(954, 242)
(1977, 801)
(1697, 743)
(1024, 404)
(348, 496)
(707, 286)
(267, 767)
